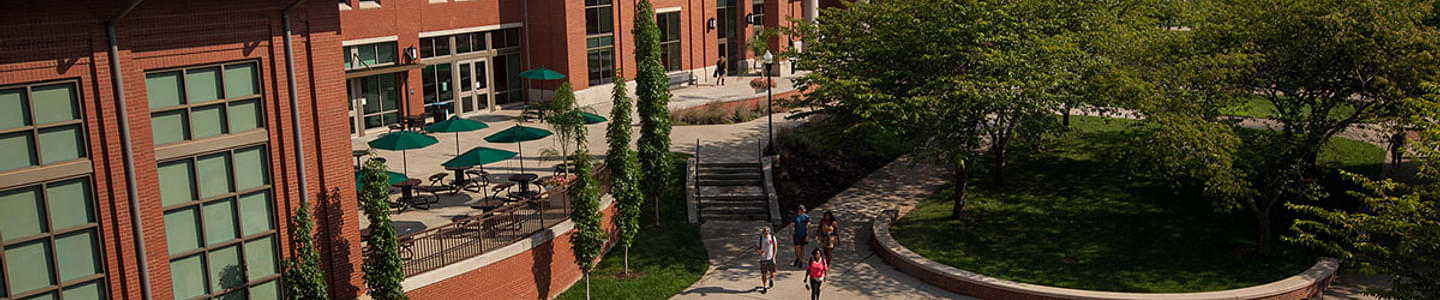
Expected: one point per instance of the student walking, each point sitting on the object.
(720, 71)
(829, 232)
(815, 273)
(767, 249)
(801, 237)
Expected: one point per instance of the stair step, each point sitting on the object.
(744, 182)
(730, 198)
(730, 170)
(730, 164)
(733, 210)
(755, 176)
(735, 218)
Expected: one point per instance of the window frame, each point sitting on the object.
(670, 20)
(58, 286)
(34, 129)
(224, 102)
(198, 205)
(352, 55)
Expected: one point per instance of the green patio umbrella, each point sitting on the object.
(517, 135)
(541, 74)
(456, 125)
(478, 156)
(591, 118)
(403, 140)
(395, 178)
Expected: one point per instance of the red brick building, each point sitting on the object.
(463, 56)
(206, 88)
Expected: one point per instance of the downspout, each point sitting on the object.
(295, 104)
(525, 26)
(117, 83)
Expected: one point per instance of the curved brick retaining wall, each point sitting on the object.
(1307, 285)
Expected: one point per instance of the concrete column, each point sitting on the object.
(811, 9)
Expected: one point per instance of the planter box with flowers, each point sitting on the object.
(557, 181)
(760, 84)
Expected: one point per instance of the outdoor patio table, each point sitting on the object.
(406, 187)
(357, 154)
(524, 180)
(415, 121)
(459, 176)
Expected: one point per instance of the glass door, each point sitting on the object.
(474, 81)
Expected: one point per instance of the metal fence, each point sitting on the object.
(475, 235)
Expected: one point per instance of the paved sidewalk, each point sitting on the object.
(856, 272)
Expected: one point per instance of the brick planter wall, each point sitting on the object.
(1307, 285)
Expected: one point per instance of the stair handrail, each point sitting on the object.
(696, 176)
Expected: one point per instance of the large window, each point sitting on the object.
(51, 242)
(40, 124)
(470, 42)
(434, 46)
(206, 101)
(369, 55)
(669, 24)
(600, 41)
(435, 79)
(507, 78)
(379, 98)
(757, 11)
(220, 225)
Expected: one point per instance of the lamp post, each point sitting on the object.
(769, 103)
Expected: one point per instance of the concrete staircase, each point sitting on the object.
(732, 191)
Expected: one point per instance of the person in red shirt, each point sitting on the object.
(815, 273)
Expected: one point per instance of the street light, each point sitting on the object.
(769, 103)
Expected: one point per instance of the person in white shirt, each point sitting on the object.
(766, 248)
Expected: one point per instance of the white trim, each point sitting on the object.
(373, 40)
(470, 29)
(667, 9)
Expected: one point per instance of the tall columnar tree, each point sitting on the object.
(975, 74)
(653, 90)
(588, 240)
(382, 267)
(1399, 233)
(303, 277)
(1323, 65)
(564, 118)
(625, 186)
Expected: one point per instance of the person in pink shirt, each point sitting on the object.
(815, 273)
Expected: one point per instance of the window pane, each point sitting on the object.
(33, 261)
(187, 277)
(442, 46)
(163, 89)
(45, 296)
(240, 80)
(182, 230)
(176, 183)
(70, 203)
(606, 23)
(169, 127)
(255, 213)
(236, 295)
(17, 146)
(244, 115)
(346, 54)
(265, 291)
(225, 268)
(442, 76)
(427, 79)
(385, 53)
(478, 41)
(61, 144)
(14, 111)
(220, 221)
(77, 255)
(249, 168)
(260, 257)
(370, 90)
(212, 175)
(462, 43)
(207, 121)
(202, 84)
(367, 55)
(21, 214)
(389, 95)
(89, 290)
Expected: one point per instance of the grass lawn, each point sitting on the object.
(1076, 217)
(669, 258)
(1258, 107)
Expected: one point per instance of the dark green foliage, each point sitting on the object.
(564, 118)
(303, 277)
(623, 169)
(382, 267)
(588, 240)
(653, 90)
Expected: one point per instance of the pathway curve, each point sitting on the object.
(856, 272)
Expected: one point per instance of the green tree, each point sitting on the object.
(303, 277)
(971, 75)
(564, 119)
(1324, 66)
(383, 272)
(1398, 234)
(588, 239)
(620, 161)
(652, 88)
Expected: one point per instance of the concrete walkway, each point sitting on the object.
(856, 272)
